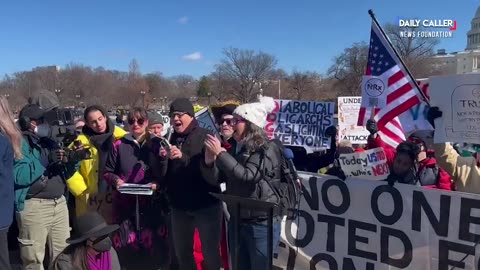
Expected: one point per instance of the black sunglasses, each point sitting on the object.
(227, 121)
(139, 121)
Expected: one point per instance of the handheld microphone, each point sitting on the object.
(288, 154)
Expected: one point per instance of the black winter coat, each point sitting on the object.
(187, 187)
(246, 175)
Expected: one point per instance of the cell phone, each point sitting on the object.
(165, 144)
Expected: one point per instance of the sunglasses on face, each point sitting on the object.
(139, 121)
(229, 121)
(237, 120)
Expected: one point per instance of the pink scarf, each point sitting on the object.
(101, 261)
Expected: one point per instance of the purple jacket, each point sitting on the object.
(133, 162)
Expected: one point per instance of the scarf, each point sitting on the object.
(103, 143)
(102, 261)
(178, 139)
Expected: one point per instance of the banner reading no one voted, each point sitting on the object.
(301, 123)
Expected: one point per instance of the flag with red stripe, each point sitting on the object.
(398, 94)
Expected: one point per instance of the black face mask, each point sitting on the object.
(102, 245)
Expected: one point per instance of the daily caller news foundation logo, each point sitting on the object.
(427, 28)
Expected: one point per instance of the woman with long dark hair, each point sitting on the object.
(98, 135)
(245, 176)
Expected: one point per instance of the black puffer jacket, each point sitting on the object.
(245, 176)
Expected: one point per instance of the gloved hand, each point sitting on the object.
(57, 156)
(371, 126)
(331, 131)
(432, 114)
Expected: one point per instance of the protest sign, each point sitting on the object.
(358, 224)
(301, 123)
(348, 110)
(458, 97)
(374, 92)
(101, 202)
(415, 118)
(206, 121)
(371, 163)
(166, 125)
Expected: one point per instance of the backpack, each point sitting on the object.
(287, 188)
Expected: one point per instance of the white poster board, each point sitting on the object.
(301, 123)
(358, 224)
(458, 97)
(371, 163)
(348, 110)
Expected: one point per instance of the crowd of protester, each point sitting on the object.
(181, 226)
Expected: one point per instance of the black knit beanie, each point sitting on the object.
(182, 105)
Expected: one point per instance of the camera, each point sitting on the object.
(77, 155)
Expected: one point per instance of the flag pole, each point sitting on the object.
(398, 56)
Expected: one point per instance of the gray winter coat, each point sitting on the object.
(64, 261)
(245, 176)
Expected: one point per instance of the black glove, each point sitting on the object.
(432, 114)
(57, 156)
(331, 131)
(372, 126)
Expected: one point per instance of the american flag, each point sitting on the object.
(401, 93)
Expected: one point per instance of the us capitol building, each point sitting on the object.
(466, 61)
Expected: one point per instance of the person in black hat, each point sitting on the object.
(223, 114)
(40, 185)
(188, 190)
(91, 247)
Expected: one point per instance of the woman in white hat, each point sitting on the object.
(91, 248)
(245, 176)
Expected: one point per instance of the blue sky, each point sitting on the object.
(303, 35)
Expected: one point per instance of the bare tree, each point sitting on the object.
(302, 84)
(415, 51)
(245, 68)
(349, 67)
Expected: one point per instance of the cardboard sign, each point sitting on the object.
(348, 110)
(371, 163)
(458, 97)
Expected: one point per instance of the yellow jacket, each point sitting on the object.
(84, 182)
(464, 170)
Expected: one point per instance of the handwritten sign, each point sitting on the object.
(301, 123)
(102, 203)
(415, 118)
(458, 97)
(371, 164)
(348, 110)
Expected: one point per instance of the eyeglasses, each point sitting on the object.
(237, 120)
(177, 114)
(229, 121)
(139, 121)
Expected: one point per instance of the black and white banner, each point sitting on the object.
(359, 224)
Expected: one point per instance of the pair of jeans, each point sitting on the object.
(41, 222)
(208, 221)
(4, 254)
(253, 244)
